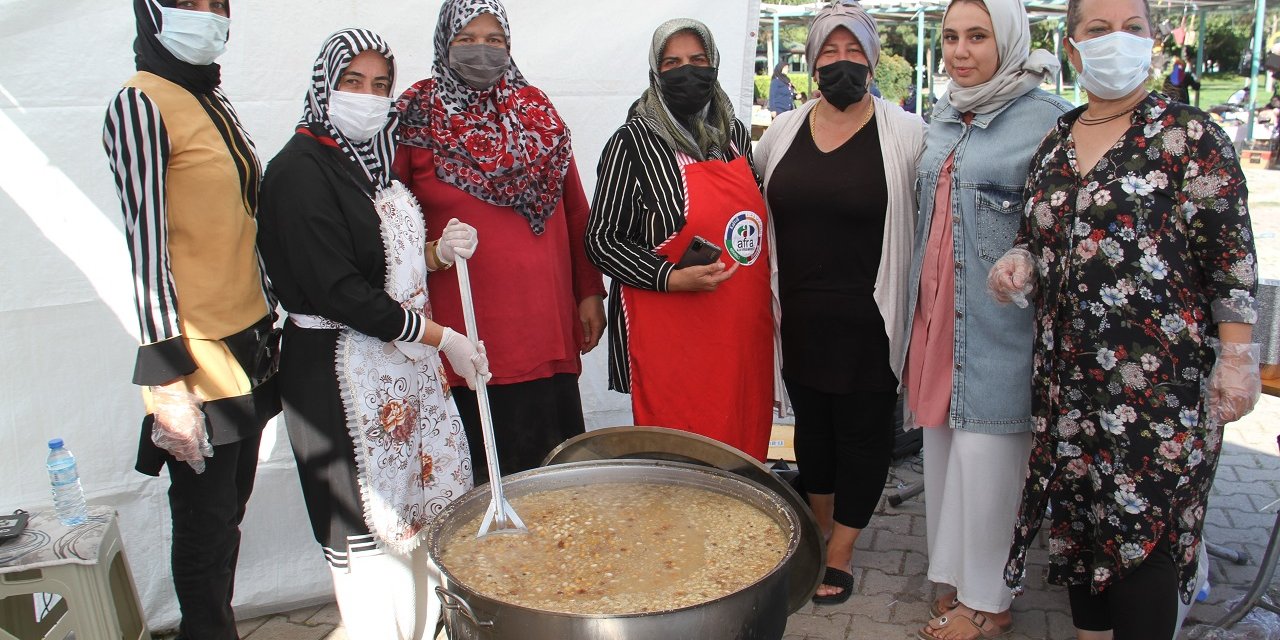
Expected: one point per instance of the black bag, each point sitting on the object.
(905, 443)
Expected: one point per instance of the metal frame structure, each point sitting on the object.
(923, 11)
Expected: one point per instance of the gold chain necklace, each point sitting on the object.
(813, 120)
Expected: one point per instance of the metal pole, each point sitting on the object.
(1057, 51)
(1199, 51)
(920, 65)
(1259, 18)
(777, 46)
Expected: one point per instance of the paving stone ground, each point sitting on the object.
(891, 592)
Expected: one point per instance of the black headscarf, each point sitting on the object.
(152, 57)
(779, 75)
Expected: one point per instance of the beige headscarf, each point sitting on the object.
(850, 15)
(707, 134)
(1020, 70)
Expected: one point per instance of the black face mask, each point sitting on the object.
(843, 83)
(688, 89)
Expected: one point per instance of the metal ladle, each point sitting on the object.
(499, 517)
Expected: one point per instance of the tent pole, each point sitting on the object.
(1199, 51)
(1258, 25)
(777, 46)
(1057, 51)
(920, 66)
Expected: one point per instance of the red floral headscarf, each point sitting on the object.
(505, 145)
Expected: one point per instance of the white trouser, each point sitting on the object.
(972, 487)
(386, 596)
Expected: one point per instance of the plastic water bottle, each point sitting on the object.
(68, 497)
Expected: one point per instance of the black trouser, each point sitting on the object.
(529, 420)
(844, 443)
(1143, 605)
(207, 510)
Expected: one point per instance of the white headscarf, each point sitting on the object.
(1021, 69)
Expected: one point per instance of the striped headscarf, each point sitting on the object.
(850, 15)
(505, 145)
(374, 157)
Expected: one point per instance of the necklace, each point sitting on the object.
(1089, 122)
(813, 120)
(1085, 120)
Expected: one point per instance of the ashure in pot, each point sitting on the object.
(499, 598)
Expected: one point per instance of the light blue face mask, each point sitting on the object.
(194, 37)
(1115, 64)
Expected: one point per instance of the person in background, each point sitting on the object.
(838, 176)
(187, 176)
(1180, 81)
(677, 180)
(782, 95)
(969, 360)
(1136, 246)
(479, 143)
(379, 445)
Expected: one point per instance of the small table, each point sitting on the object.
(85, 565)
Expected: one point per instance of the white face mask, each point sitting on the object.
(1114, 64)
(358, 116)
(195, 37)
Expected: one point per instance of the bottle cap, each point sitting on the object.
(55, 443)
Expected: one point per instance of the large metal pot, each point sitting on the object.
(756, 612)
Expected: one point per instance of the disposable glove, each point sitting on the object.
(1235, 383)
(470, 362)
(1013, 277)
(179, 425)
(458, 240)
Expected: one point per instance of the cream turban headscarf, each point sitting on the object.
(850, 15)
(1020, 70)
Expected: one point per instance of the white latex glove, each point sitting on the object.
(458, 240)
(1235, 384)
(179, 425)
(1013, 277)
(470, 362)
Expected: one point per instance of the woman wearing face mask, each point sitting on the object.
(838, 174)
(782, 95)
(478, 142)
(1136, 246)
(187, 176)
(690, 343)
(969, 360)
(379, 445)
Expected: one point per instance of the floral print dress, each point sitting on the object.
(1139, 260)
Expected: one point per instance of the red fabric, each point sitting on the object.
(703, 362)
(526, 287)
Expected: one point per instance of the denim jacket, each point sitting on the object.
(991, 375)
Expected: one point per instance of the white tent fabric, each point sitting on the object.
(67, 326)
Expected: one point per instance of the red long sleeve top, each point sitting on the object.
(526, 288)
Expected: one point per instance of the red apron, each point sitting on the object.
(703, 362)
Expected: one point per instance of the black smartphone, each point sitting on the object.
(701, 251)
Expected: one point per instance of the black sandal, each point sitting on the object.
(836, 578)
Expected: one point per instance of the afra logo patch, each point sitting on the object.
(744, 237)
